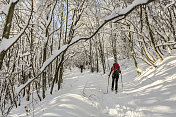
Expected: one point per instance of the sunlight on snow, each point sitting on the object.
(173, 98)
(50, 114)
(172, 62)
(150, 95)
(145, 87)
(71, 106)
(161, 109)
(72, 77)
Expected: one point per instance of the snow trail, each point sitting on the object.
(84, 94)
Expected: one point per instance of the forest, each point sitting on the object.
(41, 39)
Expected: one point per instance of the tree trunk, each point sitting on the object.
(132, 52)
(152, 37)
(7, 27)
(91, 57)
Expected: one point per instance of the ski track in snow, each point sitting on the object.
(85, 94)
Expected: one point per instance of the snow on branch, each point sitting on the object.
(124, 12)
(115, 14)
(22, 86)
(53, 56)
(172, 3)
(166, 44)
(78, 38)
(56, 53)
(10, 42)
(7, 7)
(5, 44)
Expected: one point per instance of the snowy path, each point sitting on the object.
(84, 95)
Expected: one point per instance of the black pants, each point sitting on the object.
(115, 79)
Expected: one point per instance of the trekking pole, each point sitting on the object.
(108, 84)
(121, 81)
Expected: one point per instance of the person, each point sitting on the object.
(115, 70)
(81, 67)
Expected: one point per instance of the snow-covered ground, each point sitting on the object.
(85, 94)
